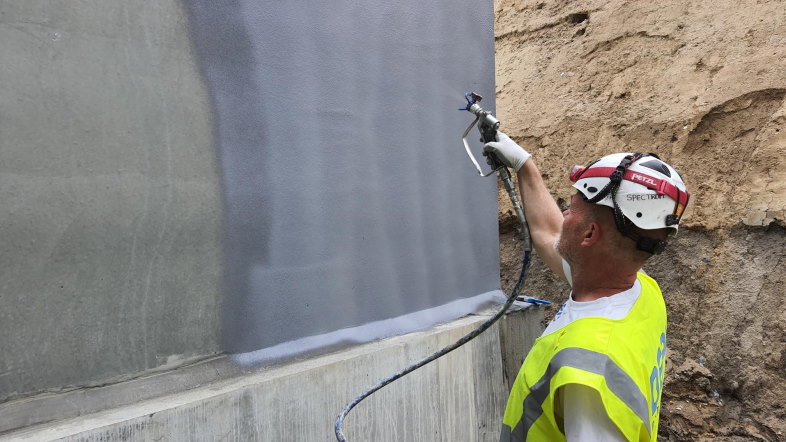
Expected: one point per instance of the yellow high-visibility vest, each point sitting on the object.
(622, 359)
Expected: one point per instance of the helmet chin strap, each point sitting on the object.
(650, 245)
(647, 244)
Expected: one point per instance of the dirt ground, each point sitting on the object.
(703, 84)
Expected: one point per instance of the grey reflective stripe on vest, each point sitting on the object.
(617, 380)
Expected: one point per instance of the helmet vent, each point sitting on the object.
(657, 166)
(638, 215)
(592, 189)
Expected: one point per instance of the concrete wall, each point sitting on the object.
(310, 194)
(459, 397)
(314, 183)
(110, 262)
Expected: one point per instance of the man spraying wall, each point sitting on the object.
(597, 371)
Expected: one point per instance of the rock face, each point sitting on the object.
(703, 85)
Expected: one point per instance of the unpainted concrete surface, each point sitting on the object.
(458, 397)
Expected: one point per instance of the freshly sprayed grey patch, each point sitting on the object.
(372, 331)
(348, 196)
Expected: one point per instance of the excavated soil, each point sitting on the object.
(703, 84)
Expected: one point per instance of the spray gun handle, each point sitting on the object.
(488, 133)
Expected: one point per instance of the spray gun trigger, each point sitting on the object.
(490, 161)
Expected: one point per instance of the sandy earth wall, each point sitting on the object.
(703, 85)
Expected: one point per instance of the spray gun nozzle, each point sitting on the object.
(471, 98)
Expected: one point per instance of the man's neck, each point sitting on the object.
(592, 284)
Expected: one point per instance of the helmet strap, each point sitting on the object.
(653, 246)
(615, 179)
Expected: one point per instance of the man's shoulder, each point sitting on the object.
(647, 281)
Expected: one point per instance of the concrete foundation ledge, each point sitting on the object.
(459, 397)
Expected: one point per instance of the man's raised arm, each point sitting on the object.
(543, 215)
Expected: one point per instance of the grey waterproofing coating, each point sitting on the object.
(348, 196)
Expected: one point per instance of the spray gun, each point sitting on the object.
(488, 125)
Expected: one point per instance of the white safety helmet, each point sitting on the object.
(640, 188)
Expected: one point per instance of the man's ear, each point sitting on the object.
(591, 235)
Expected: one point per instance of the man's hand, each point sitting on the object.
(510, 153)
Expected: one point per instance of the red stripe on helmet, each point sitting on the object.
(661, 187)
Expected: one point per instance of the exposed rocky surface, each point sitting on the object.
(703, 84)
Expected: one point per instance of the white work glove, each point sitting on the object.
(510, 153)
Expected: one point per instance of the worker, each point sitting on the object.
(596, 373)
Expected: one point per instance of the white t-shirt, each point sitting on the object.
(584, 418)
(613, 307)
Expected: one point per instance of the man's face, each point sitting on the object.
(573, 224)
